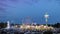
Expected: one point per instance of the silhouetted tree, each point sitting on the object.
(57, 25)
(3, 25)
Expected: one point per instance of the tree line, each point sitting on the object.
(4, 25)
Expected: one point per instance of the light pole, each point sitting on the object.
(46, 18)
(8, 24)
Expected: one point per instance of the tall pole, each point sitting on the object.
(22, 22)
(8, 24)
(46, 18)
(46, 21)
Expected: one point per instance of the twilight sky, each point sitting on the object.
(16, 10)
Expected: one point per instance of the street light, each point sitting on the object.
(46, 18)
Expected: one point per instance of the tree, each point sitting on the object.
(3, 25)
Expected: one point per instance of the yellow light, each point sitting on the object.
(21, 26)
(45, 26)
(27, 26)
(32, 26)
